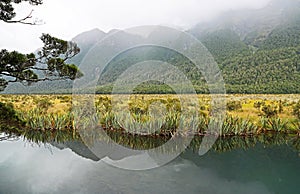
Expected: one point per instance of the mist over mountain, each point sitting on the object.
(247, 22)
(236, 31)
(258, 51)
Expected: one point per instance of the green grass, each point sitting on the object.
(53, 112)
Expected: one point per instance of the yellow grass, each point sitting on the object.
(62, 103)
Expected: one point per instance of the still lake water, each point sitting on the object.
(54, 168)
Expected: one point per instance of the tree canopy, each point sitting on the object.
(49, 63)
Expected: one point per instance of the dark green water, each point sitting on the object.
(71, 168)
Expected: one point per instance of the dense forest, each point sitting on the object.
(273, 67)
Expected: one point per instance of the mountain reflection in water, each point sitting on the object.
(233, 165)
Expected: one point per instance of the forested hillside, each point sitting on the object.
(262, 59)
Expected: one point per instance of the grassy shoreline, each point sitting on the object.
(245, 114)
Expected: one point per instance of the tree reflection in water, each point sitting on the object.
(68, 139)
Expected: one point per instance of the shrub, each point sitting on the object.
(7, 113)
(259, 104)
(8, 117)
(269, 111)
(234, 105)
(280, 106)
(44, 104)
(296, 110)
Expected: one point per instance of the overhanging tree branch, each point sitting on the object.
(24, 20)
(7, 12)
(51, 60)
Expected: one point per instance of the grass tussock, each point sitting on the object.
(167, 115)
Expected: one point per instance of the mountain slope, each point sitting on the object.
(258, 51)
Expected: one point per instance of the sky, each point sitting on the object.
(67, 18)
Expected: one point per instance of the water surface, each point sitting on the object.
(71, 168)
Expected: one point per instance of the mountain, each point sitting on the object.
(85, 41)
(254, 28)
(258, 51)
(104, 149)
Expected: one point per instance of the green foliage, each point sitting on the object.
(234, 105)
(266, 71)
(224, 44)
(276, 124)
(37, 119)
(70, 71)
(9, 120)
(43, 104)
(237, 126)
(141, 120)
(50, 61)
(7, 112)
(269, 111)
(103, 104)
(280, 107)
(296, 110)
(259, 104)
(286, 35)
